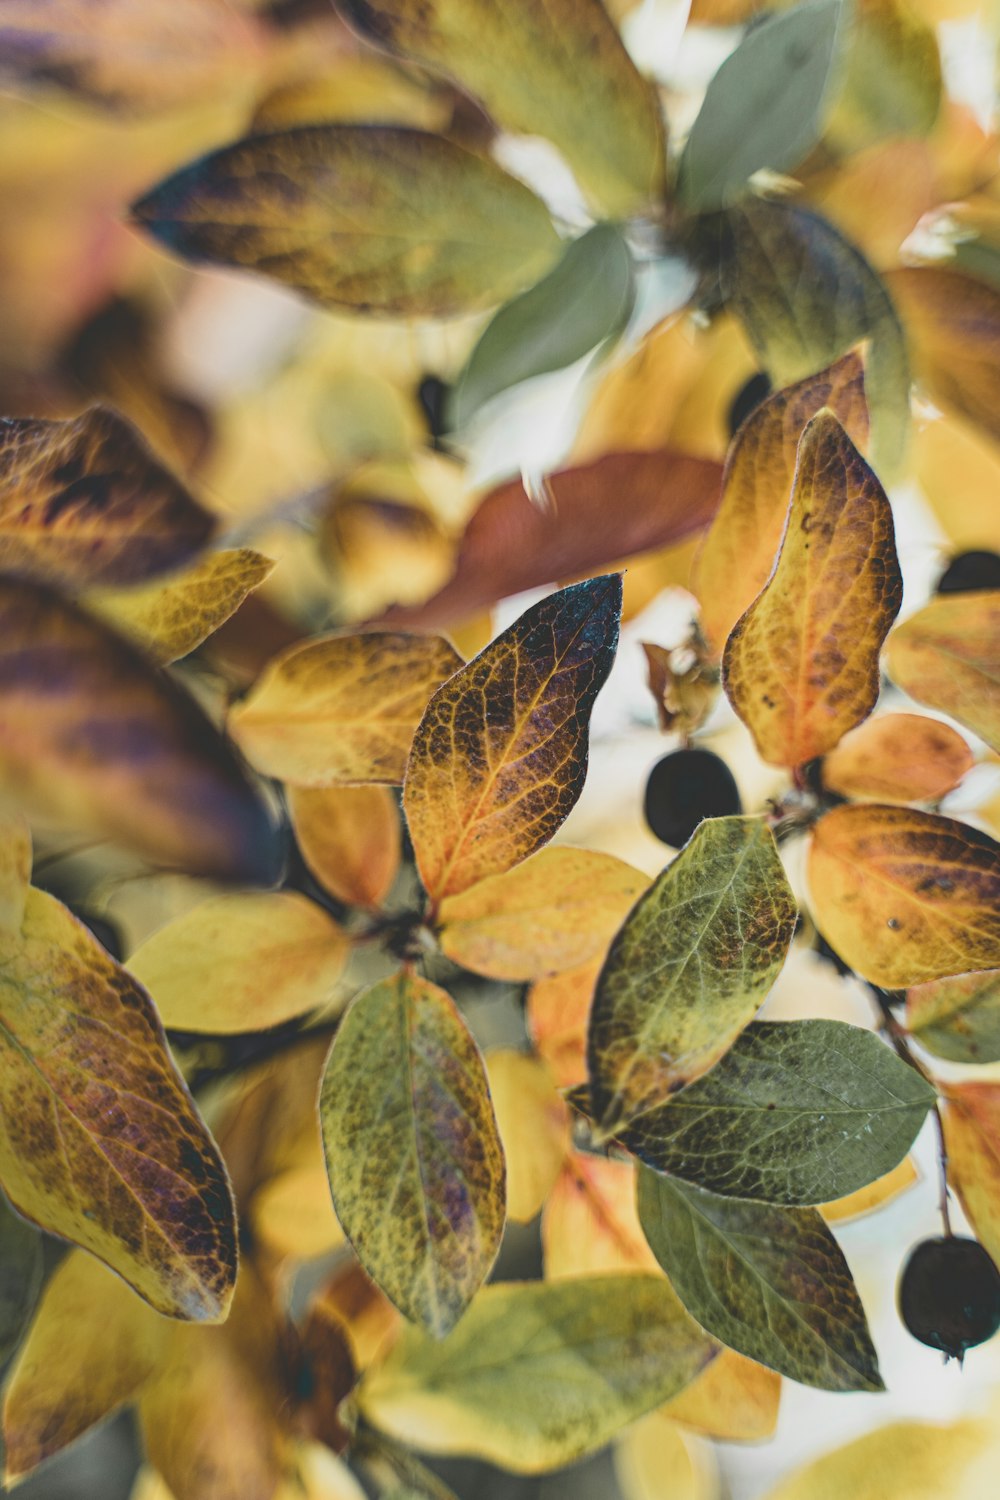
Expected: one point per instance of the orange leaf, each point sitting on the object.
(953, 323)
(947, 655)
(802, 665)
(735, 1400)
(557, 1012)
(349, 837)
(590, 1224)
(898, 758)
(972, 1139)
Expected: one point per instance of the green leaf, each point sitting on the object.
(538, 1374)
(20, 1276)
(585, 300)
(412, 1148)
(797, 1112)
(958, 1018)
(764, 107)
(771, 1283)
(690, 966)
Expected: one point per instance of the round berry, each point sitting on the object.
(949, 1294)
(970, 571)
(685, 787)
(747, 399)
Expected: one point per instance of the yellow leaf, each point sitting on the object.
(242, 961)
(15, 867)
(654, 1459)
(534, 1129)
(554, 912)
(293, 1216)
(557, 1011)
(902, 1461)
(590, 1225)
(170, 617)
(500, 755)
(341, 708)
(890, 77)
(903, 896)
(898, 758)
(801, 666)
(865, 1200)
(966, 512)
(947, 655)
(734, 1401)
(352, 85)
(972, 1138)
(100, 1141)
(742, 543)
(350, 838)
(953, 323)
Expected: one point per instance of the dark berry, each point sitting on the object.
(949, 1294)
(105, 932)
(747, 400)
(970, 571)
(432, 393)
(685, 787)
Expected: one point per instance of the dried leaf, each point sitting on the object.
(533, 1125)
(953, 322)
(898, 758)
(947, 655)
(734, 1401)
(20, 1276)
(350, 838)
(590, 1226)
(972, 1140)
(958, 1018)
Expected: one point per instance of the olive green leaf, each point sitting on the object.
(20, 1276)
(412, 1148)
(764, 107)
(957, 1018)
(366, 216)
(771, 1283)
(890, 82)
(693, 961)
(538, 1374)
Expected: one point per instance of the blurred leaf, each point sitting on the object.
(590, 1226)
(350, 839)
(735, 1400)
(972, 1140)
(901, 1461)
(890, 82)
(381, 543)
(326, 1352)
(15, 867)
(500, 755)
(538, 1374)
(867, 1199)
(692, 963)
(373, 217)
(953, 323)
(957, 1018)
(555, 70)
(100, 1141)
(242, 961)
(654, 1459)
(556, 1013)
(533, 1125)
(764, 107)
(584, 301)
(947, 655)
(903, 896)
(799, 668)
(415, 1161)
(555, 912)
(20, 1276)
(341, 708)
(770, 1282)
(371, 1319)
(898, 758)
(292, 1217)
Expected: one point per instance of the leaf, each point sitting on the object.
(415, 1161)
(890, 82)
(90, 1349)
(556, 1013)
(692, 963)
(170, 618)
(585, 300)
(589, 1224)
(326, 1353)
(374, 217)
(534, 1128)
(903, 896)
(242, 961)
(805, 296)
(350, 839)
(511, 544)
(538, 1374)
(739, 550)
(555, 912)
(15, 867)
(20, 1276)
(801, 666)
(654, 1458)
(292, 1217)
(901, 1461)
(796, 1112)
(85, 502)
(957, 1018)
(769, 1282)
(898, 758)
(93, 738)
(341, 708)
(972, 1141)
(734, 1401)
(557, 70)
(100, 1141)
(953, 322)
(764, 107)
(947, 656)
(500, 755)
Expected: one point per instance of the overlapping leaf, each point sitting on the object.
(890, 81)
(350, 838)
(500, 756)
(534, 1128)
(972, 1140)
(20, 1276)
(898, 758)
(801, 666)
(953, 322)
(905, 896)
(589, 1224)
(692, 963)
(947, 655)
(735, 1400)
(958, 1018)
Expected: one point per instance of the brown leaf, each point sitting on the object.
(801, 666)
(898, 758)
(330, 1374)
(947, 655)
(953, 322)
(350, 838)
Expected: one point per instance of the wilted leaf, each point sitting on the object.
(20, 1276)
(415, 1161)
(341, 708)
(735, 1400)
(373, 217)
(692, 963)
(947, 655)
(100, 1141)
(801, 666)
(533, 1125)
(972, 1140)
(890, 83)
(590, 1226)
(898, 758)
(902, 1461)
(555, 912)
(764, 107)
(555, 70)
(500, 755)
(242, 961)
(654, 1459)
(169, 618)
(350, 838)
(742, 543)
(905, 896)
(15, 867)
(538, 1374)
(958, 1018)
(556, 1013)
(85, 502)
(92, 737)
(770, 1282)
(867, 1199)
(953, 323)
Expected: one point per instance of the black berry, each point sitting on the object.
(970, 571)
(432, 393)
(747, 400)
(685, 787)
(949, 1294)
